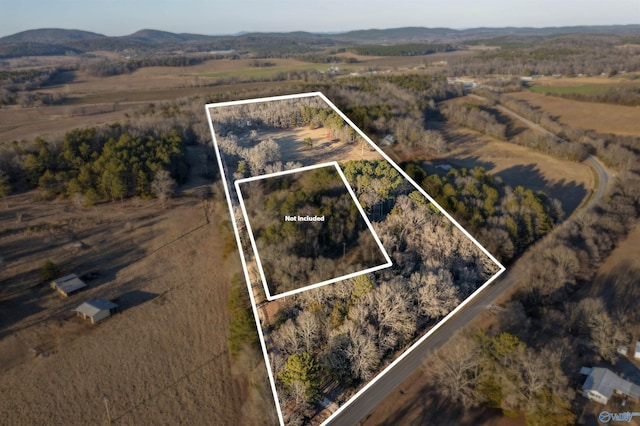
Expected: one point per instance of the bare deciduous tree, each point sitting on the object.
(456, 369)
(163, 186)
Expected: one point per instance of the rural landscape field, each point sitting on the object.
(528, 138)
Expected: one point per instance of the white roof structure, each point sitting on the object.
(605, 382)
(92, 307)
(68, 284)
(637, 353)
(96, 310)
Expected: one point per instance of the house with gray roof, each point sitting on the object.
(602, 384)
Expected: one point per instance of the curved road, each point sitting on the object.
(356, 411)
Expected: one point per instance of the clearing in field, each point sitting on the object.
(307, 229)
(324, 347)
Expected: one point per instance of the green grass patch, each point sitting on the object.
(560, 90)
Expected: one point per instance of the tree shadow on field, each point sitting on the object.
(134, 298)
(528, 176)
(429, 407)
(22, 305)
(470, 163)
(620, 291)
(463, 139)
(63, 77)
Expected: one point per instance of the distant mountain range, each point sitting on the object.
(55, 41)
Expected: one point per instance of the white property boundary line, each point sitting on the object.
(329, 281)
(246, 272)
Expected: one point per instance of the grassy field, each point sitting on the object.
(603, 118)
(163, 359)
(582, 90)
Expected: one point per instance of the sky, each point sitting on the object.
(122, 17)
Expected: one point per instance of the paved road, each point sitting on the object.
(359, 408)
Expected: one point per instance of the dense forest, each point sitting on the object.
(347, 331)
(568, 55)
(411, 49)
(19, 86)
(507, 220)
(294, 253)
(113, 162)
(107, 67)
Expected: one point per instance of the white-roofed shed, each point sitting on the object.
(96, 310)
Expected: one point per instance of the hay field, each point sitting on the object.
(600, 117)
(162, 360)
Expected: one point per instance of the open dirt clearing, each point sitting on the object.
(600, 117)
(324, 148)
(162, 360)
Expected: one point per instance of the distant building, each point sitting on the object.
(602, 383)
(96, 310)
(68, 284)
(636, 355)
(388, 140)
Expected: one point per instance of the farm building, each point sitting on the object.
(636, 355)
(602, 383)
(68, 284)
(96, 310)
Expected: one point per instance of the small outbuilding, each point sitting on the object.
(96, 310)
(636, 355)
(68, 284)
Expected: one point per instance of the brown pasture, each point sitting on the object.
(600, 117)
(582, 81)
(164, 358)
